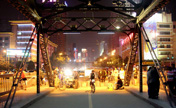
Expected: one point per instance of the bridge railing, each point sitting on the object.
(6, 81)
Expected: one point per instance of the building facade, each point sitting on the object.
(19, 38)
(22, 31)
(160, 30)
(6, 42)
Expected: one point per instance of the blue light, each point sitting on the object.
(65, 3)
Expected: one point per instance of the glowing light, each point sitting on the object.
(21, 42)
(122, 74)
(134, 14)
(60, 53)
(113, 52)
(65, 3)
(22, 48)
(71, 33)
(68, 72)
(106, 33)
(87, 72)
(49, 1)
(23, 37)
(25, 25)
(126, 40)
(26, 31)
(4, 51)
(15, 52)
(118, 27)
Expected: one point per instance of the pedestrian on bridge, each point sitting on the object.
(153, 82)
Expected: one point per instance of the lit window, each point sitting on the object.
(19, 33)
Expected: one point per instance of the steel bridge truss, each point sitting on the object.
(52, 17)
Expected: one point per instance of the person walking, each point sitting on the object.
(153, 83)
(24, 79)
(171, 80)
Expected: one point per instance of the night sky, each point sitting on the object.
(10, 13)
(84, 40)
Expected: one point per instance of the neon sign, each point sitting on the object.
(124, 41)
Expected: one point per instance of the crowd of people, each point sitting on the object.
(111, 74)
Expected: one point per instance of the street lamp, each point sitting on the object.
(101, 60)
(118, 27)
(113, 52)
(60, 54)
(4, 51)
(105, 58)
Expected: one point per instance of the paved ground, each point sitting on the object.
(82, 98)
(107, 98)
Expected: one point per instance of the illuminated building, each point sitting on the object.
(101, 47)
(174, 42)
(6, 41)
(22, 31)
(159, 29)
(84, 54)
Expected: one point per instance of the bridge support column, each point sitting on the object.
(140, 59)
(38, 58)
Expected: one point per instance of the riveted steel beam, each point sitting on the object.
(154, 7)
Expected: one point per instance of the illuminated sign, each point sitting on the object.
(84, 50)
(151, 30)
(15, 52)
(126, 40)
(51, 1)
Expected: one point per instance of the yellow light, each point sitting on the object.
(101, 60)
(113, 52)
(4, 51)
(60, 53)
(122, 74)
(68, 72)
(105, 58)
(118, 27)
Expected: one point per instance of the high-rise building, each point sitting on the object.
(22, 31)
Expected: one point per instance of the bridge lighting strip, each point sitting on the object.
(71, 33)
(106, 33)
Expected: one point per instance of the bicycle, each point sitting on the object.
(92, 85)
